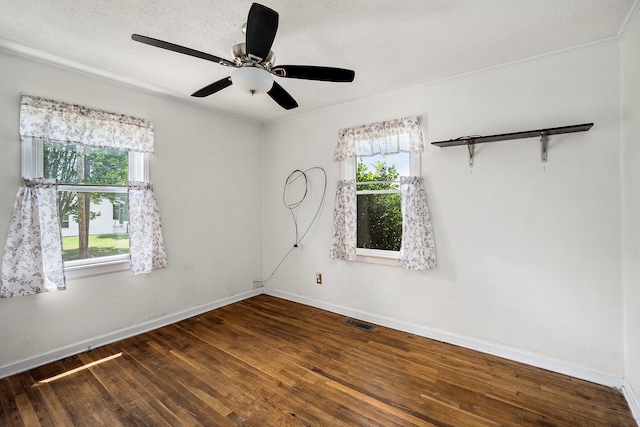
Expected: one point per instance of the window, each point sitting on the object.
(381, 212)
(64, 221)
(379, 209)
(92, 198)
(79, 171)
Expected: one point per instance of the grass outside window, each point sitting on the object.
(99, 245)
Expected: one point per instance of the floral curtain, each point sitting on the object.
(49, 120)
(344, 241)
(388, 137)
(417, 250)
(146, 245)
(32, 261)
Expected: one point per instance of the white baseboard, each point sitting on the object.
(33, 362)
(586, 374)
(632, 399)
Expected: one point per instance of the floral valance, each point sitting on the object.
(388, 137)
(46, 119)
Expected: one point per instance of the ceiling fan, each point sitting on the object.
(254, 61)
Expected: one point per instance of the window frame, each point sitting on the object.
(378, 256)
(32, 153)
(64, 220)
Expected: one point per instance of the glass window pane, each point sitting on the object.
(379, 221)
(379, 215)
(98, 224)
(75, 164)
(381, 168)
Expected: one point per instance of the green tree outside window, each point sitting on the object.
(379, 209)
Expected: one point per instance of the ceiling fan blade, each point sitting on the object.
(282, 97)
(180, 49)
(311, 72)
(213, 88)
(262, 25)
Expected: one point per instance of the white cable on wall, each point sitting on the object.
(292, 205)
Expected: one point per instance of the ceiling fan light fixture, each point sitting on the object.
(252, 80)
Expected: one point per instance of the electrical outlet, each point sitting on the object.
(319, 278)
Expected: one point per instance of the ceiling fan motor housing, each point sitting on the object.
(240, 57)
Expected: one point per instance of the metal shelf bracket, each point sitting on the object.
(471, 146)
(544, 146)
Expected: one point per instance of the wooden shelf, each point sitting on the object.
(470, 141)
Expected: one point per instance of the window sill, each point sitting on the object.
(372, 256)
(78, 269)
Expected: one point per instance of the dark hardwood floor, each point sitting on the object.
(270, 362)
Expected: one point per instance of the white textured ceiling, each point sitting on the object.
(391, 44)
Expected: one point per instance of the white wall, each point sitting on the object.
(212, 234)
(529, 253)
(631, 199)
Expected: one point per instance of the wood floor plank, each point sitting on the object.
(58, 413)
(23, 384)
(85, 400)
(27, 413)
(271, 362)
(138, 411)
(164, 374)
(141, 391)
(9, 413)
